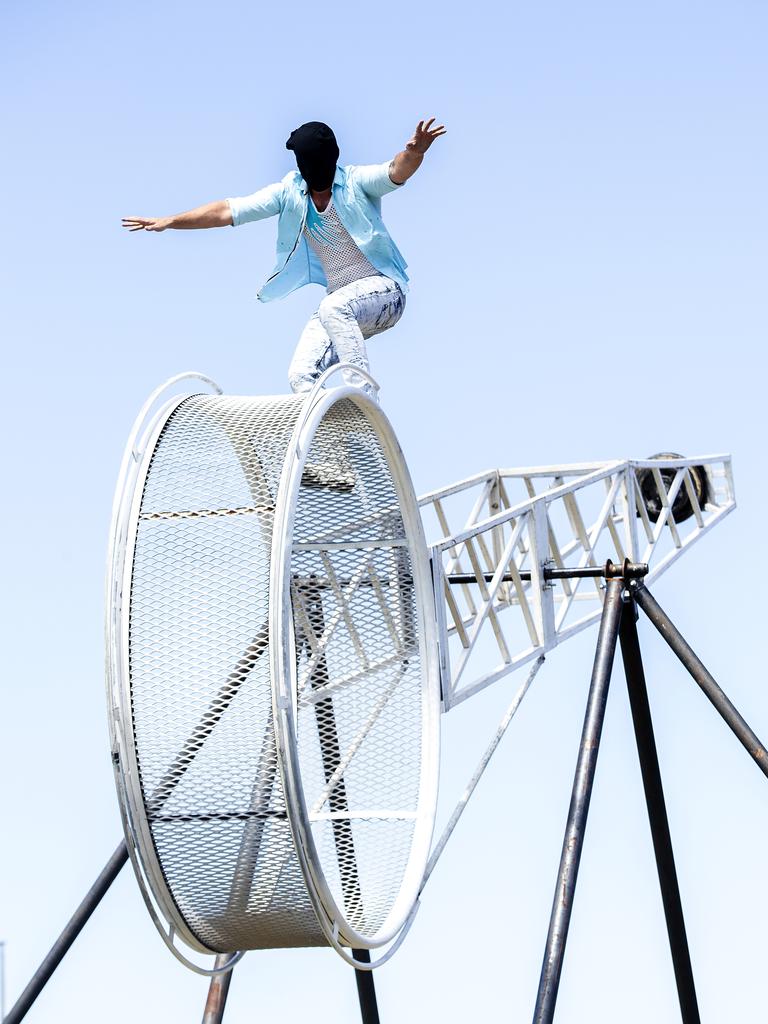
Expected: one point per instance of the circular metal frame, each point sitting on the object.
(133, 471)
(149, 872)
(335, 927)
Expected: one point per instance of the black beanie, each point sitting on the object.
(314, 145)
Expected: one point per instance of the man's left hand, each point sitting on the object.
(424, 136)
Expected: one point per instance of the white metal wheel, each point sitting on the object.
(356, 672)
(237, 632)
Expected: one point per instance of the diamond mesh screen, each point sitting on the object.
(213, 824)
(358, 669)
(201, 696)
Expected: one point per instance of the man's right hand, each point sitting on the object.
(146, 223)
(212, 215)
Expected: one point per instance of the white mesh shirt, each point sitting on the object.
(342, 261)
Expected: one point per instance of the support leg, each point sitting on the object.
(577, 813)
(704, 678)
(217, 993)
(366, 992)
(60, 947)
(657, 815)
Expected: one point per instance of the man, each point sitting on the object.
(330, 232)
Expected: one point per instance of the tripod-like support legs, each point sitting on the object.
(618, 623)
(623, 597)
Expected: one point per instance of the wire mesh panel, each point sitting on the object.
(364, 687)
(237, 849)
(217, 843)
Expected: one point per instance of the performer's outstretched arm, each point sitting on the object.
(213, 215)
(408, 162)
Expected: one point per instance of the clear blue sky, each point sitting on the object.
(587, 247)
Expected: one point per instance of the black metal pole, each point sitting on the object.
(657, 815)
(628, 570)
(366, 992)
(217, 992)
(61, 945)
(577, 813)
(704, 678)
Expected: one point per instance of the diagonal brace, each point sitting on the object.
(657, 814)
(754, 747)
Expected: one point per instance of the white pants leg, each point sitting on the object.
(336, 333)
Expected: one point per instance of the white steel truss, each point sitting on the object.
(517, 522)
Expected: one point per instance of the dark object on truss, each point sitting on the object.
(682, 506)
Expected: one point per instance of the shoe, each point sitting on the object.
(333, 476)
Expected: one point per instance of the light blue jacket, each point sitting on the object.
(357, 193)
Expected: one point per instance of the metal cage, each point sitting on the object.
(272, 671)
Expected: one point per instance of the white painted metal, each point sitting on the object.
(337, 926)
(152, 416)
(141, 624)
(584, 514)
(483, 764)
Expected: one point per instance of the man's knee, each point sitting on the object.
(330, 310)
(301, 375)
(300, 381)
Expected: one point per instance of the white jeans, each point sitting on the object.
(336, 333)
